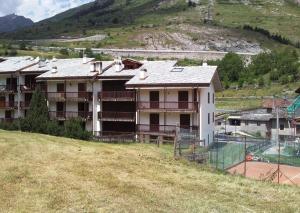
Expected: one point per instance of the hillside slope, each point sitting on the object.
(48, 174)
(173, 24)
(13, 22)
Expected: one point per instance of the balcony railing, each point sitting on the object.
(8, 88)
(62, 115)
(71, 96)
(164, 129)
(25, 104)
(8, 105)
(117, 116)
(117, 96)
(168, 106)
(7, 120)
(28, 88)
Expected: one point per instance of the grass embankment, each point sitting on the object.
(47, 174)
(247, 98)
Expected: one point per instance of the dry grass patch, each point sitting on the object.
(49, 174)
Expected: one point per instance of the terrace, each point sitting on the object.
(117, 96)
(63, 115)
(8, 105)
(70, 96)
(154, 106)
(117, 116)
(8, 88)
(169, 130)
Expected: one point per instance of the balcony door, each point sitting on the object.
(8, 114)
(12, 84)
(83, 109)
(185, 121)
(154, 99)
(183, 99)
(30, 81)
(60, 109)
(2, 101)
(154, 122)
(81, 90)
(11, 100)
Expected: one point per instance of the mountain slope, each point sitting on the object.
(175, 24)
(13, 22)
(41, 173)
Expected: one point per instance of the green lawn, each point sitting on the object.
(41, 173)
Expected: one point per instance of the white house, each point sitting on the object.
(152, 99)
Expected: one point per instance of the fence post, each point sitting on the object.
(245, 160)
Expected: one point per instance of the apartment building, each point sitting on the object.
(16, 86)
(151, 99)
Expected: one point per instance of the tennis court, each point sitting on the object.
(268, 172)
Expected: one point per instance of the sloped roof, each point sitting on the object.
(66, 68)
(270, 103)
(153, 65)
(183, 76)
(13, 64)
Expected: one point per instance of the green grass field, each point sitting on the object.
(42, 173)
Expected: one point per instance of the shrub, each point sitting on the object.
(53, 128)
(74, 128)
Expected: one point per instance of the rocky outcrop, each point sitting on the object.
(13, 22)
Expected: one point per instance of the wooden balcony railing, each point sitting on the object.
(117, 96)
(168, 106)
(164, 129)
(25, 104)
(7, 120)
(62, 115)
(71, 96)
(8, 88)
(8, 105)
(28, 88)
(117, 116)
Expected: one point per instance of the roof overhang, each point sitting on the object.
(164, 85)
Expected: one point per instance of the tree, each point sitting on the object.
(261, 64)
(231, 67)
(261, 81)
(38, 116)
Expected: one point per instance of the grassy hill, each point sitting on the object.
(48, 174)
(173, 24)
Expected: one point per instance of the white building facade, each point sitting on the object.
(151, 99)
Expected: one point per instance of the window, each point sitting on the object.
(213, 117)
(213, 100)
(281, 126)
(258, 123)
(60, 87)
(208, 138)
(208, 118)
(246, 123)
(208, 98)
(219, 123)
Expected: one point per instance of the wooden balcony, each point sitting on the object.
(117, 96)
(9, 105)
(117, 116)
(64, 115)
(169, 130)
(7, 120)
(8, 88)
(168, 106)
(70, 96)
(30, 88)
(25, 104)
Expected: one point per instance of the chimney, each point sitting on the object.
(204, 64)
(118, 65)
(84, 59)
(93, 67)
(54, 59)
(54, 69)
(37, 59)
(99, 67)
(143, 74)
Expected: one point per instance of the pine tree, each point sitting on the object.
(38, 116)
